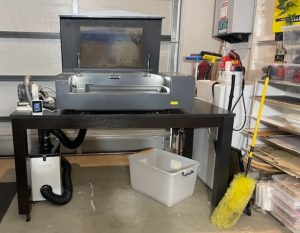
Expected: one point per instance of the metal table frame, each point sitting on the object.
(203, 115)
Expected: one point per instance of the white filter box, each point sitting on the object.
(163, 176)
(45, 171)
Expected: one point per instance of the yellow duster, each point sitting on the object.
(234, 202)
(231, 207)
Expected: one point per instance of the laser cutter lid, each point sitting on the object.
(110, 41)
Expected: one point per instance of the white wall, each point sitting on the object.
(196, 31)
(32, 15)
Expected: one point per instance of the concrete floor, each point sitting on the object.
(103, 201)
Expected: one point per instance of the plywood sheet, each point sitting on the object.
(266, 132)
(281, 159)
(290, 143)
(281, 123)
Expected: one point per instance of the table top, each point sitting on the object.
(140, 119)
(200, 108)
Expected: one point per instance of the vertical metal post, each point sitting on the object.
(75, 6)
(175, 34)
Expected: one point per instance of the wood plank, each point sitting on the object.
(5, 165)
(282, 159)
(281, 123)
(96, 160)
(282, 101)
(262, 165)
(266, 132)
(289, 143)
(270, 161)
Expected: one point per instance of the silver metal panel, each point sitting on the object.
(124, 91)
(121, 140)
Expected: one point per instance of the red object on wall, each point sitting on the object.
(233, 57)
(297, 77)
(280, 72)
(204, 70)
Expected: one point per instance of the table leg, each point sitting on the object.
(223, 151)
(188, 142)
(21, 153)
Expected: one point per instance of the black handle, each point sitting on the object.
(189, 173)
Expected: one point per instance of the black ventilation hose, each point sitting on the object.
(66, 141)
(47, 192)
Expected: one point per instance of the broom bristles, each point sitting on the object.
(232, 205)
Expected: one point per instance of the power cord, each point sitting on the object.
(241, 96)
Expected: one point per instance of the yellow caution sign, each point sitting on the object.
(287, 12)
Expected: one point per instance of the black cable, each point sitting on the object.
(244, 105)
(213, 90)
(66, 141)
(242, 93)
(238, 100)
(245, 118)
(231, 95)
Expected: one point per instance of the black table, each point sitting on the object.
(202, 115)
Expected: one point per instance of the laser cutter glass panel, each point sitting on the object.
(111, 47)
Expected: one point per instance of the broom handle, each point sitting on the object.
(262, 101)
(261, 105)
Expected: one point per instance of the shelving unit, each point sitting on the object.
(281, 150)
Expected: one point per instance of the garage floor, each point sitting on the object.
(103, 201)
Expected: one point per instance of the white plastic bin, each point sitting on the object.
(163, 176)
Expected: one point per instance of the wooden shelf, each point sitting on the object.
(273, 157)
(280, 123)
(279, 82)
(288, 143)
(282, 101)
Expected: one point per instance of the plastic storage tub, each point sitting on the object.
(291, 42)
(293, 54)
(285, 72)
(163, 176)
(284, 196)
(291, 35)
(292, 212)
(289, 184)
(290, 223)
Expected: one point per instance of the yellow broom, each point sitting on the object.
(232, 205)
